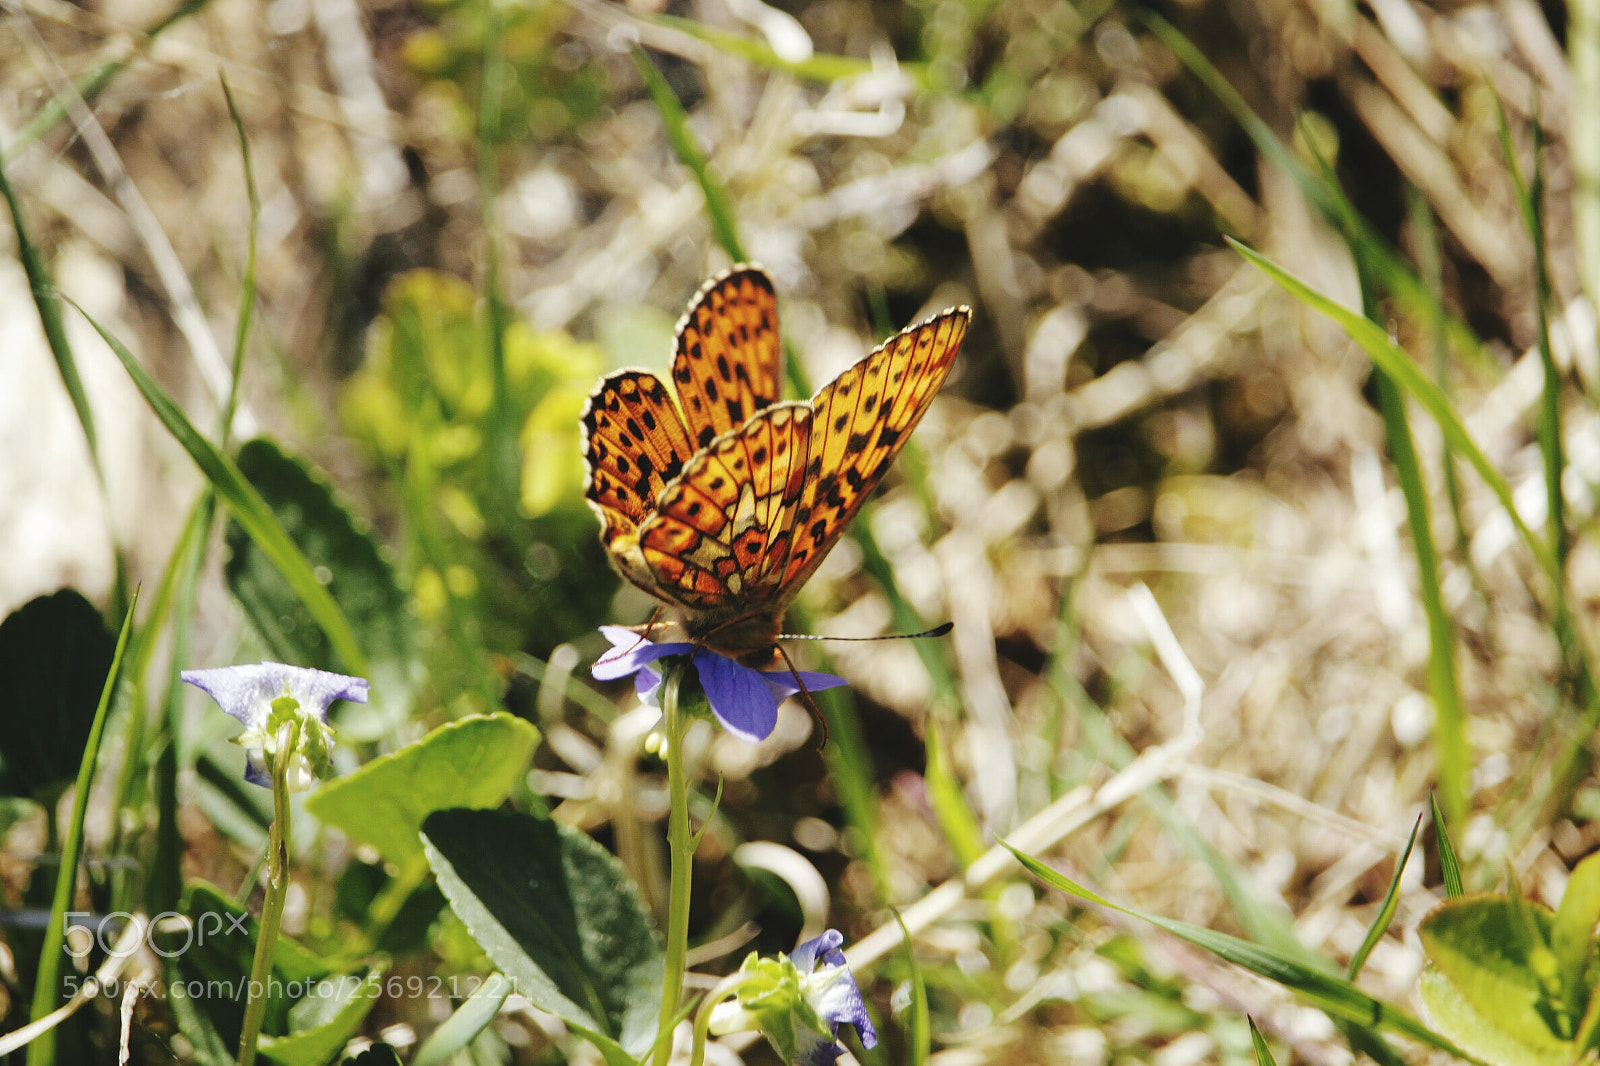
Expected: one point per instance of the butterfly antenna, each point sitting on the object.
(807, 699)
(644, 632)
(936, 631)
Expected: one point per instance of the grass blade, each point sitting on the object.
(55, 331)
(1399, 366)
(1333, 994)
(1449, 719)
(1389, 358)
(718, 204)
(178, 574)
(46, 994)
(919, 1034)
(93, 83)
(1259, 1042)
(1449, 866)
(46, 301)
(1327, 197)
(1391, 901)
(463, 1026)
(962, 833)
(248, 509)
(247, 284)
(1530, 200)
(1430, 261)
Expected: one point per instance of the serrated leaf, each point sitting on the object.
(323, 1021)
(558, 915)
(352, 568)
(471, 762)
(54, 654)
(1452, 1014)
(1486, 948)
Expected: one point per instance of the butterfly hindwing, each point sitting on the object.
(634, 443)
(728, 358)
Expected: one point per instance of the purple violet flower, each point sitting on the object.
(264, 696)
(745, 701)
(798, 1002)
(831, 990)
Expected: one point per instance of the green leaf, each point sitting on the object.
(54, 654)
(1572, 932)
(1487, 948)
(322, 1022)
(247, 506)
(472, 762)
(352, 568)
(46, 991)
(559, 917)
(1391, 900)
(208, 967)
(1331, 993)
(1455, 1016)
(469, 1019)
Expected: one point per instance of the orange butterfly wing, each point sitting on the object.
(755, 512)
(861, 420)
(728, 358)
(726, 367)
(634, 443)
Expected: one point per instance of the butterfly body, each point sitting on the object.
(723, 511)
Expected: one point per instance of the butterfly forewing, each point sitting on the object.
(728, 358)
(862, 420)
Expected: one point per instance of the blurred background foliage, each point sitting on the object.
(470, 210)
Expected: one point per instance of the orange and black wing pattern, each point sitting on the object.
(755, 512)
(860, 421)
(729, 362)
(634, 443)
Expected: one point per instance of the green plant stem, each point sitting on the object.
(277, 890)
(682, 851)
(702, 1019)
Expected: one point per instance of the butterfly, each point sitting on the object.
(723, 503)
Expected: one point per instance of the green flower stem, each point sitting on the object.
(277, 889)
(702, 1020)
(674, 725)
